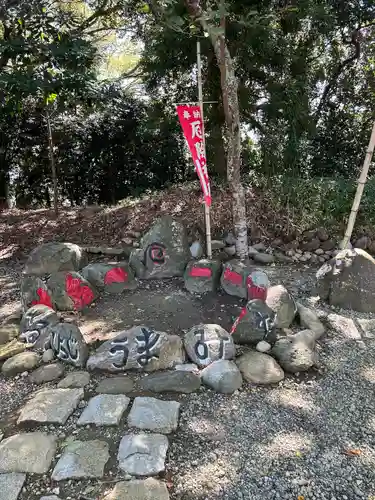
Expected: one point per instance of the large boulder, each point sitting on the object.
(282, 304)
(259, 368)
(348, 281)
(255, 323)
(70, 291)
(206, 343)
(110, 277)
(202, 276)
(68, 344)
(296, 353)
(34, 291)
(35, 325)
(53, 257)
(243, 280)
(166, 249)
(140, 348)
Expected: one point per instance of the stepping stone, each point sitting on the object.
(104, 409)
(154, 415)
(142, 454)
(52, 406)
(115, 385)
(21, 362)
(74, 380)
(139, 489)
(82, 459)
(30, 452)
(177, 381)
(47, 373)
(11, 485)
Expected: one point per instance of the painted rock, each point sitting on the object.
(206, 343)
(244, 280)
(70, 291)
(33, 292)
(55, 256)
(68, 344)
(110, 277)
(35, 325)
(140, 348)
(256, 322)
(202, 276)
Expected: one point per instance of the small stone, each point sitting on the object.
(322, 234)
(346, 327)
(8, 332)
(176, 381)
(281, 302)
(222, 376)
(296, 353)
(312, 245)
(52, 406)
(259, 368)
(74, 380)
(230, 239)
(154, 415)
(319, 251)
(115, 385)
(187, 367)
(31, 452)
(148, 489)
(260, 247)
(231, 251)
(264, 258)
(104, 409)
(50, 497)
(328, 245)
(309, 319)
(48, 356)
(20, 362)
(11, 349)
(47, 373)
(263, 346)
(143, 454)
(252, 251)
(196, 250)
(82, 459)
(11, 485)
(217, 244)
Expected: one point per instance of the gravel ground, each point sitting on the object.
(290, 441)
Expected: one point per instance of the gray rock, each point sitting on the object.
(259, 368)
(312, 245)
(252, 251)
(322, 234)
(344, 326)
(110, 277)
(231, 251)
(53, 257)
(104, 409)
(174, 381)
(257, 324)
(47, 373)
(202, 276)
(319, 251)
(206, 343)
(234, 276)
(196, 250)
(74, 380)
(217, 244)
(11, 485)
(154, 415)
(48, 356)
(8, 332)
(115, 385)
(187, 367)
(140, 348)
(260, 247)
(136, 262)
(230, 239)
(68, 344)
(222, 376)
(31, 452)
(11, 349)
(309, 320)
(50, 497)
(368, 327)
(281, 257)
(148, 489)
(328, 245)
(143, 454)
(282, 304)
(24, 361)
(52, 406)
(33, 291)
(263, 258)
(296, 353)
(82, 459)
(263, 346)
(70, 291)
(35, 325)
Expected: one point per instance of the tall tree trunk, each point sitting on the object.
(52, 163)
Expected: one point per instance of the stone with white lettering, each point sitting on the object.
(35, 325)
(67, 343)
(206, 343)
(112, 277)
(82, 459)
(255, 323)
(30, 452)
(104, 409)
(52, 406)
(140, 348)
(11, 485)
(143, 454)
(154, 415)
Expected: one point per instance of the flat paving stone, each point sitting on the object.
(11, 485)
(74, 380)
(115, 385)
(30, 452)
(174, 381)
(154, 415)
(47, 373)
(82, 459)
(52, 406)
(142, 454)
(139, 489)
(104, 409)
(50, 497)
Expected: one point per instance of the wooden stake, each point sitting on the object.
(52, 163)
(200, 98)
(361, 184)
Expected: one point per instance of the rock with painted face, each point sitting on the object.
(255, 323)
(34, 291)
(110, 277)
(202, 276)
(35, 325)
(70, 291)
(206, 343)
(68, 344)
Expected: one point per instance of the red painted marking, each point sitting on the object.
(44, 298)
(233, 277)
(254, 291)
(116, 275)
(201, 272)
(235, 324)
(81, 294)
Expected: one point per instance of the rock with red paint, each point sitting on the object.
(110, 277)
(33, 292)
(35, 325)
(282, 304)
(68, 344)
(255, 323)
(202, 276)
(206, 343)
(53, 257)
(165, 249)
(244, 280)
(70, 291)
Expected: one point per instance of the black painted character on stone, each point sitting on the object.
(120, 346)
(156, 253)
(201, 347)
(147, 343)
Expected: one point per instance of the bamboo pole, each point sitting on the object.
(200, 98)
(361, 184)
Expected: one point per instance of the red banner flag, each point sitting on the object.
(191, 122)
